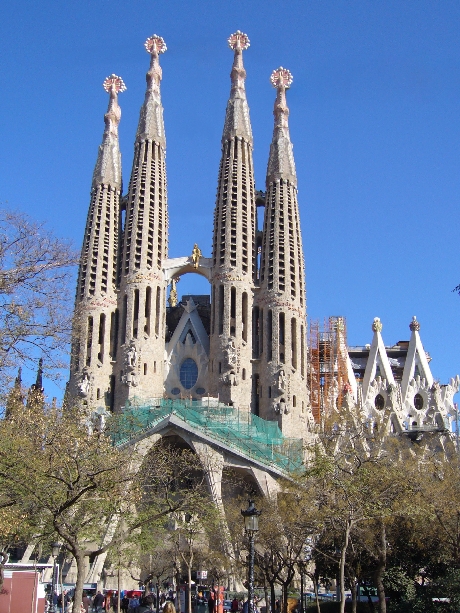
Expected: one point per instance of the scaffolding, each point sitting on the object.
(240, 430)
(328, 374)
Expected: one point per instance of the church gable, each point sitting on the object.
(186, 356)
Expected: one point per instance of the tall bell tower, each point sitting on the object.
(233, 257)
(144, 245)
(94, 331)
(281, 298)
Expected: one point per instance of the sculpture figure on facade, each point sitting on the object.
(281, 381)
(173, 293)
(131, 356)
(196, 255)
(230, 378)
(231, 351)
(84, 384)
(129, 379)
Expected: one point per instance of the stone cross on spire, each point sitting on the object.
(108, 166)
(151, 125)
(237, 121)
(281, 161)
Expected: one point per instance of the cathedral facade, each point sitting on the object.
(245, 346)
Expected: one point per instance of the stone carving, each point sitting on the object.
(231, 351)
(281, 383)
(377, 325)
(414, 324)
(230, 378)
(131, 356)
(129, 379)
(84, 384)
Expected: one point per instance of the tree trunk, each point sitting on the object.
(354, 597)
(80, 562)
(284, 592)
(380, 571)
(3, 560)
(267, 605)
(272, 596)
(189, 588)
(343, 555)
(118, 589)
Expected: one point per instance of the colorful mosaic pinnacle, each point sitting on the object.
(281, 77)
(238, 40)
(114, 83)
(155, 44)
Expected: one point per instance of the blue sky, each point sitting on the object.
(375, 121)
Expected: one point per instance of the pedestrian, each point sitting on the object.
(235, 605)
(169, 607)
(98, 602)
(146, 605)
(86, 601)
(246, 606)
(133, 603)
(124, 604)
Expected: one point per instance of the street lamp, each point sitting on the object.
(55, 548)
(251, 525)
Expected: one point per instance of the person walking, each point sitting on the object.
(124, 604)
(86, 601)
(98, 602)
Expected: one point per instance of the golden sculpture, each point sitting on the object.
(196, 255)
(173, 293)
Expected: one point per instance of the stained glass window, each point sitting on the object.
(188, 373)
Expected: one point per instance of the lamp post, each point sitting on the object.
(55, 547)
(251, 525)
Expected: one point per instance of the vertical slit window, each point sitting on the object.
(270, 336)
(255, 332)
(157, 311)
(89, 341)
(124, 318)
(294, 342)
(244, 309)
(261, 332)
(302, 352)
(232, 311)
(221, 309)
(136, 313)
(148, 308)
(101, 337)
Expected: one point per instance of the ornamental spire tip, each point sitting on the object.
(155, 44)
(281, 77)
(238, 40)
(114, 83)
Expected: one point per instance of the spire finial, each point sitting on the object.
(151, 119)
(377, 325)
(113, 85)
(281, 162)
(238, 40)
(414, 324)
(281, 78)
(237, 116)
(155, 44)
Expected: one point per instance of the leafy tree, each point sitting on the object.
(35, 301)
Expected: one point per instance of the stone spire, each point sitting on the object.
(281, 298)
(237, 121)
(281, 161)
(234, 250)
(108, 165)
(151, 126)
(142, 296)
(93, 345)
